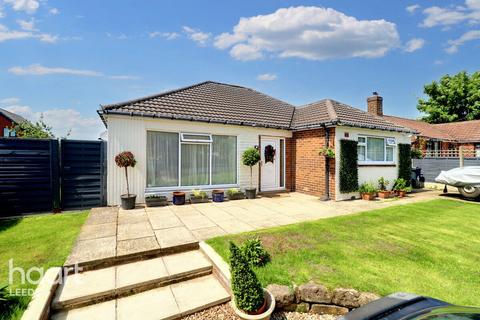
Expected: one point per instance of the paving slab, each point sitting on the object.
(197, 222)
(134, 230)
(172, 237)
(156, 304)
(142, 272)
(94, 231)
(133, 246)
(234, 226)
(198, 294)
(133, 216)
(102, 215)
(182, 263)
(101, 311)
(93, 249)
(207, 233)
(164, 220)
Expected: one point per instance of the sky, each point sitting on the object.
(63, 59)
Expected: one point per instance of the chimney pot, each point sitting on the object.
(375, 104)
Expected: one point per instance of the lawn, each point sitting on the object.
(429, 248)
(40, 241)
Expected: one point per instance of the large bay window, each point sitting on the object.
(190, 159)
(375, 150)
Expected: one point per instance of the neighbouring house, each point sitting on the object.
(436, 140)
(7, 121)
(193, 137)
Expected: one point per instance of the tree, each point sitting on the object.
(39, 129)
(126, 159)
(453, 98)
(250, 157)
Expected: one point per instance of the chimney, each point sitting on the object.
(375, 104)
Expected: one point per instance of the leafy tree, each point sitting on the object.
(126, 159)
(250, 157)
(453, 98)
(39, 129)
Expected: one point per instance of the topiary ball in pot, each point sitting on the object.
(250, 157)
(126, 159)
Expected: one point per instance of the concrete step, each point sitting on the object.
(90, 287)
(169, 302)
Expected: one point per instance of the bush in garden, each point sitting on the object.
(255, 253)
(246, 287)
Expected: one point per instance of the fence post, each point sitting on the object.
(55, 174)
(461, 157)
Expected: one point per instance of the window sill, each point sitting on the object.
(377, 165)
(188, 188)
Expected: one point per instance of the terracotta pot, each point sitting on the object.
(268, 306)
(368, 196)
(401, 194)
(385, 194)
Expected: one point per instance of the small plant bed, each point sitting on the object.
(155, 200)
(235, 194)
(41, 242)
(198, 196)
(420, 248)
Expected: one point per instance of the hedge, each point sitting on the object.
(404, 162)
(348, 166)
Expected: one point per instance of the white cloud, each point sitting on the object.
(197, 35)
(412, 8)
(466, 37)
(39, 70)
(166, 35)
(63, 121)
(312, 33)
(448, 16)
(54, 11)
(7, 34)
(29, 6)
(11, 100)
(267, 77)
(414, 45)
(27, 25)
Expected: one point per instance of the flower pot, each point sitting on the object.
(158, 201)
(218, 195)
(384, 194)
(128, 201)
(237, 196)
(194, 199)
(269, 306)
(401, 194)
(178, 198)
(368, 196)
(251, 193)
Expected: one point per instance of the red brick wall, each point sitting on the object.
(290, 164)
(4, 123)
(308, 167)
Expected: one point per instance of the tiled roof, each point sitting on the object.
(12, 116)
(210, 102)
(424, 129)
(331, 112)
(464, 131)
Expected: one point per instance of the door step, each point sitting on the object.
(169, 302)
(95, 286)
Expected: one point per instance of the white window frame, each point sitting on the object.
(386, 143)
(195, 141)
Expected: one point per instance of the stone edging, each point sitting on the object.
(39, 306)
(316, 298)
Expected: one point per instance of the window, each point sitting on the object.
(190, 159)
(376, 150)
(6, 132)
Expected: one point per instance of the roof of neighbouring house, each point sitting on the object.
(12, 116)
(463, 131)
(331, 112)
(231, 104)
(210, 102)
(424, 129)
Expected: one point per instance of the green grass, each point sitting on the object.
(40, 241)
(429, 248)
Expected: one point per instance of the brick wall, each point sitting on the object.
(308, 167)
(290, 164)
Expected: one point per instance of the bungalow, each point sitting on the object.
(7, 121)
(193, 137)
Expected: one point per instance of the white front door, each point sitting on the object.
(270, 170)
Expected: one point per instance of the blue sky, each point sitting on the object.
(64, 58)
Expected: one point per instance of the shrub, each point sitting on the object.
(250, 157)
(246, 287)
(348, 166)
(383, 184)
(199, 194)
(405, 162)
(255, 253)
(126, 159)
(232, 191)
(401, 185)
(367, 187)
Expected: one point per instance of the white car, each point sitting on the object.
(466, 179)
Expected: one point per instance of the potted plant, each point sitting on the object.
(126, 159)
(198, 196)
(327, 152)
(178, 198)
(367, 191)
(401, 187)
(155, 200)
(250, 157)
(382, 188)
(235, 194)
(250, 301)
(218, 195)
